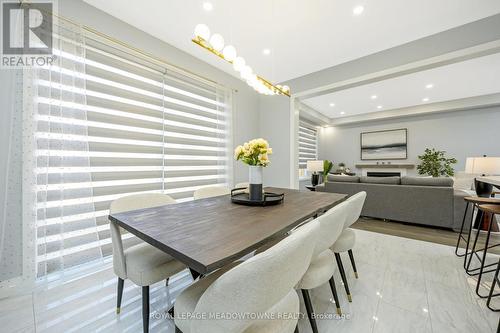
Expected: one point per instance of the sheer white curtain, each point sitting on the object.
(11, 250)
(61, 146)
(16, 259)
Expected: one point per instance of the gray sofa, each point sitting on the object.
(429, 201)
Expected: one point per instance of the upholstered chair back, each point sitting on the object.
(331, 224)
(125, 204)
(257, 284)
(356, 203)
(210, 191)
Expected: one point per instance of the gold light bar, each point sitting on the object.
(204, 44)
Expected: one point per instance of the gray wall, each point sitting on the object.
(461, 134)
(245, 99)
(275, 126)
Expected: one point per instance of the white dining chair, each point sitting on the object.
(210, 191)
(322, 265)
(347, 238)
(261, 285)
(143, 264)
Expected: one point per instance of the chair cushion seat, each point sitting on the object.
(345, 241)
(147, 265)
(319, 272)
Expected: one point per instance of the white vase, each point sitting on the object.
(255, 182)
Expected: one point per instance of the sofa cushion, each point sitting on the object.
(343, 179)
(381, 180)
(426, 181)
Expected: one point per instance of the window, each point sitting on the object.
(112, 123)
(308, 146)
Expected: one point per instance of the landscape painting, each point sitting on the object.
(384, 145)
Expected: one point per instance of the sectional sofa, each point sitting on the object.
(421, 200)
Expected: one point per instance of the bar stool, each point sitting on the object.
(475, 201)
(492, 210)
(492, 289)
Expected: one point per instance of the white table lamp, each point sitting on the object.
(485, 166)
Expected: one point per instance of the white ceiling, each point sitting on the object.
(479, 76)
(303, 36)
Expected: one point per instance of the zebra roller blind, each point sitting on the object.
(308, 144)
(110, 123)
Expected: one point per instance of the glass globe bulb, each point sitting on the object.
(285, 88)
(246, 72)
(201, 30)
(217, 42)
(238, 64)
(253, 80)
(229, 53)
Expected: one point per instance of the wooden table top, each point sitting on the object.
(209, 233)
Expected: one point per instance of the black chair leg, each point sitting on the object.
(166, 282)
(468, 270)
(145, 309)
(460, 237)
(491, 295)
(343, 276)
(485, 251)
(310, 311)
(351, 257)
(469, 235)
(119, 295)
(335, 296)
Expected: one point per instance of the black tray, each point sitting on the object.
(241, 197)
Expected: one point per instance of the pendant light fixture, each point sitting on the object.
(215, 44)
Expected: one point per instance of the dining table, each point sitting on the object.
(207, 234)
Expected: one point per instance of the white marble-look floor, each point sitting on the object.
(404, 285)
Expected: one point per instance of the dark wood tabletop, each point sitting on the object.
(210, 233)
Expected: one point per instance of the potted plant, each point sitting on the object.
(435, 163)
(341, 168)
(255, 154)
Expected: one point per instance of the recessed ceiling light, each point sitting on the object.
(266, 52)
(426, 99)
(429, 86)
(358, 10)
(208, 6)
(374, 97)
(332, 104)
(342, 112)
(379, 107)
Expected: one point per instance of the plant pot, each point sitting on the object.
(255, 182)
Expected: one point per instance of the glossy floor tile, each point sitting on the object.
(404, 285)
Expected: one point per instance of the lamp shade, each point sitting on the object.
(483, 165)
(314, 166)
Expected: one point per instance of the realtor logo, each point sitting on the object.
(27, 33)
